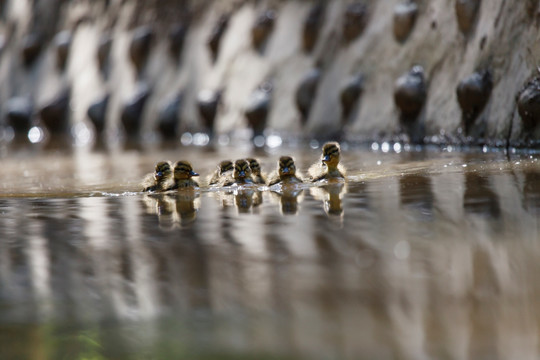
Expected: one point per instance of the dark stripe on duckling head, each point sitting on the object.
(225, 165)
(163, 168)
(286, 165)
(330, 150)
(241, 169)
(184, 167)
(254, 165)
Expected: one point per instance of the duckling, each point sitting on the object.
(223, 168)
(286, 173)
(161, 179)
(240, 175)
(183, 173)
(256, 174)
(329, 167)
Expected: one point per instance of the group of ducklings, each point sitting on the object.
(168, 177)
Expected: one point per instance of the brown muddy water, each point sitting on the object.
(420, 255)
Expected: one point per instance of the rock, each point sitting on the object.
(31, 48)
(312, 25)
(19, 114)
(404, 18)
(62, 42)
(139, 47)
(306, 92)
(528, 102)
(104, 49)
(410, 92)
(356, 17)
(207, 103)
(131, 117)
(350, 93)
(97, 113)
(466, 13)
(177, 35)
(258, 107)
(55, 114)
(262, 28)
(473, 94)
(168, 118)
(214, 40)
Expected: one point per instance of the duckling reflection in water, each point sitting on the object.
(331, 195)
(241, 174)
(225, 167)
(289, 198)
(173, 209)
(329, 167)
(161, 179)
(256, 173)
(183, 173)
(286, 173)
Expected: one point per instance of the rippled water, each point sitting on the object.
(419, 255)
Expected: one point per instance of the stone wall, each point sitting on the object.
(147, 68)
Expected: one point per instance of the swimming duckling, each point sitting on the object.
(183, 173)
(256, 174)
(161, 179)
(224, 167)
(240, 175)
(286, 173)
(329, 167)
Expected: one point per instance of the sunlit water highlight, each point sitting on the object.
(418, 255)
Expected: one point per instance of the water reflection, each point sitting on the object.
(421, 264)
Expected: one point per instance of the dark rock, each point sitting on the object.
(97, 113)
(104, 50)
(410, 92)
(356, 17)
(19, 114)
(168, 119)
(139, 49)
(258, 107)
(62, 41)
(55, 114)
(312, 26)
(207, 103)
(306, 92)
(466, 14)
(473, 94)
(214, 40)
(31, 48)
(262, 28)
(131, 117)
(177, 35)
(404, 18)
(350, 93)
(528, 102)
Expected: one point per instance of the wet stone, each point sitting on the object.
(356, 17)
(55, 114)
(207, 103)
(410, 92)
(62, 41)
(528, 102)
(258, 107)
(168, 119)
(349, 95)
(262, 28)
(19, 114)
(473, 94)
(214, 40)
(131, 117)
(404, 19)
(97, 113)
(140, 45)
(312, 26)
(306, 93)
(31, 49)
(466, 14)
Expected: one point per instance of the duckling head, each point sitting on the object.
(254, 166)
(225, 165)
(241, 170)
(286, 166)
(331, 154)
(163, 171)
(183, 170)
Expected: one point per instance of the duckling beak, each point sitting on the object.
(159, 174)
(286, 170)
(326, 158)
(193, 173)
(242, 173)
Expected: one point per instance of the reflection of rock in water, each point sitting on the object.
(416, 193)
(531, 191)
(479, 197)
(331, 195)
